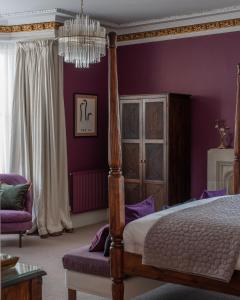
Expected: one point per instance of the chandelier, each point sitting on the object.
(82, 40)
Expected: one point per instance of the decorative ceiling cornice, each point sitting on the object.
(30, 27)
(179, 30)
(38, 16)
(224, 13)
(36, 12)
(44, 23)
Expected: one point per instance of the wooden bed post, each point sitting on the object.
(115, 178)
(236, 166)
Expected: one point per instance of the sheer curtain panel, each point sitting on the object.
(38, 148)
(7, 57)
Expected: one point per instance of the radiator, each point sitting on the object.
(89, 190)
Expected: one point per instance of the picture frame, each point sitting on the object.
(85, 115)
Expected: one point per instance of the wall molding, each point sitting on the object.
(38, 16)
(33, 13)
(226, 12)
(131, 36)
(30, 27)
(180, 30)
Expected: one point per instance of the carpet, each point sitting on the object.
(47, 254)
(178, 292)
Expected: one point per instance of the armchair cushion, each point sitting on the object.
(14, 216)
(15, 227)
(16, 221)
(13, 196)
(14, 179)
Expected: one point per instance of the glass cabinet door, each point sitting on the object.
(153, 119)
(154, 161)
(154, 149)
(131, 127)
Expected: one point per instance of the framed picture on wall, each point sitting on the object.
(85, 115)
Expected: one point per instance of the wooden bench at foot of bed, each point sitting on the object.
(89, 272)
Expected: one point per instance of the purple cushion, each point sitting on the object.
(209, 194)
(99, 240)
(14, 216)
(83, 261)
(12, 179)
(139, 210)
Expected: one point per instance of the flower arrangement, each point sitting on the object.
(225, 136)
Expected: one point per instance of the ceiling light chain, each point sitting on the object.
(82, 40)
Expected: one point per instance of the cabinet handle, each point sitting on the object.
(141, 161)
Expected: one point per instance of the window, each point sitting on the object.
(6, 96)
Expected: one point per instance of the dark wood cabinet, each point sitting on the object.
(156, 147)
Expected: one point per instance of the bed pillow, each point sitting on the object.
(99, 240)
(139, 210)
(12, 197)
(209, 194)
(170, 206)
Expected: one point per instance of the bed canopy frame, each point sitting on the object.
(123, 263)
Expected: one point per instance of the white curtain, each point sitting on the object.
(38, 148)
(7, 57)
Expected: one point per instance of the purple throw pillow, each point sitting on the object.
(99, 240)
(209, 194)
(139, 210)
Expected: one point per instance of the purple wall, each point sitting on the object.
(204, 67)
(85, 153)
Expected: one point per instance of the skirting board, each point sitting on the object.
(89, 218)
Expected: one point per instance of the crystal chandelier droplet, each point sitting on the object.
(82, 40)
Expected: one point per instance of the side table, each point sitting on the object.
(22, 282)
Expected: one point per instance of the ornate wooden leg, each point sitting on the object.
(72, 294)
(117, 270)
(117, 289)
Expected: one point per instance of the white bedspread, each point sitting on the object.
(135, 232)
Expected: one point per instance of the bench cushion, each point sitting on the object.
(83, 261)
(15, 216)
(15, 227)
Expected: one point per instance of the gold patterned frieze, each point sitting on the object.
(30, 27)
(131, 36)
(179, 30)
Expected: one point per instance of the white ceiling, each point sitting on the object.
(120, 11)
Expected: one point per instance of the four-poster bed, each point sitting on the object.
(124, 263)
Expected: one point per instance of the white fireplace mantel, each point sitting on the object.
(220, 169)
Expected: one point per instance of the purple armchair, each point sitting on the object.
(16, 221)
